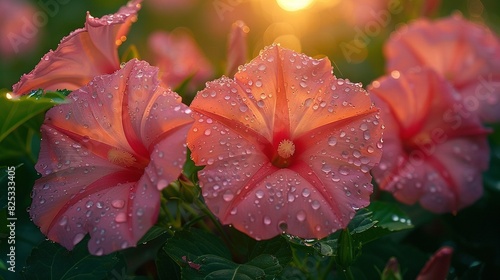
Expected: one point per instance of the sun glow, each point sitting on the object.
(294, 5)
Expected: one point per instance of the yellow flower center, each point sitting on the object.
(286, 148)
(121, 157)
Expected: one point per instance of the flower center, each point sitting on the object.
(121, 157)
(285, 151)
(286, 148)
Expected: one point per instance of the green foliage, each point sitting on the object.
(52, 261)
(202, 255)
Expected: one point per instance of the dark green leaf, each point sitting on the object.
(202, 255)
(166, 267)
(153, 233)
(278, 247)
(52, 261)
(189, 244)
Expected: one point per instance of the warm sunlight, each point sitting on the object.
(294, 5)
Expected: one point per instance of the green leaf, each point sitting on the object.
(15, 112)
(378, 220)
(202, 255)
(189, 244)
(278, 247)
(166, 267)
(52, 261)
(153, 233)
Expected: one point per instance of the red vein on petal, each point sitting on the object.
(302, 168)
(109, 181)
(239, 128)
(132, 138)
(336, 125)
(281, 111)
(446, 176)
(251, 183)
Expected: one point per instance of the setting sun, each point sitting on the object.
(294, 5)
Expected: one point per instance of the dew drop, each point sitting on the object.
(63, 221)
(306, 192)
(332, 141)
(228, 196)
(243, 108)
(315, 205)
(118, 203)
(78, 237)
(259, 194)
(301, 216)
(121, 217)
(267, 220)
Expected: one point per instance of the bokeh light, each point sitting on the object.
(294, 5)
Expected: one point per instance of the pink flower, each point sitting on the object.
(287, 146)
(237, 47)
(466, 54)
(438, 265)
(179, 58)
(432, 153)
(84, 54)
(105, 156)
(18, 32)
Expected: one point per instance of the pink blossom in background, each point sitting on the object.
(465, 53)
(432, 154)
(82, 55)
(287, 146)
(237, 49)
(179, 58)
(105, 156)
(438, 265)
(18, 32)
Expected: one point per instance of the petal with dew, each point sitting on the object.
(432, 153)
(281, 149)
(83, 54)
(105, 156)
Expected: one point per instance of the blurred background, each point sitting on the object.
(349, 32)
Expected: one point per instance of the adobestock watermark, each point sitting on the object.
(11, 218)
(30, 25)
(222, 7)
(353, 50)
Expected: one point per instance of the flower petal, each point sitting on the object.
(466, 54)
(104, 157)
(433, 153)
(438, 265)
(239, 124)
(85, 53)
(179, 59)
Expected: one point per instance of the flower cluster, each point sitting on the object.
(285, 145)
(442, 85)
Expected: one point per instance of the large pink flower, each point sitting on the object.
(105, 157)
(466, 54)
(82, 55)
(287, 146)
(433, 153)
(179, 58)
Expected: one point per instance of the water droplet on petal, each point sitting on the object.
(228, 196)
(121, 217)
(118, 203)
(306, 192)
(267, 220)
(78, 237)
(315, 205)
(301, 216)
